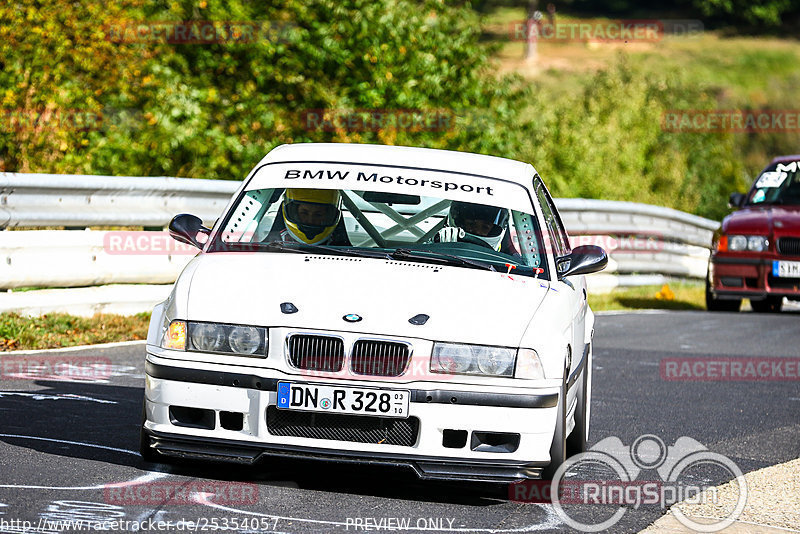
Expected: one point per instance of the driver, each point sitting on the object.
(314, 217)
(476, 223)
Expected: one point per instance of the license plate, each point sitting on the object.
(336, 399)
(786, 269)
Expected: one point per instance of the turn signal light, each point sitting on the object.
(175, 336)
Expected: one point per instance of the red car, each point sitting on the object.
(756, 252)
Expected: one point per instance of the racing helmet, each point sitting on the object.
(311, 215)
(486, 223)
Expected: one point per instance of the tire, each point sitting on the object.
(577, 439)
(558, 447)
(768, 305)
(718, 305)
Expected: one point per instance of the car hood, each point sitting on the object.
(464, 305)
(761, 220)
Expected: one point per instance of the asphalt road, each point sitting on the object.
(68, 448)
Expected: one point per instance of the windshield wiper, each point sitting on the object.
(306, 248)
(407, 254)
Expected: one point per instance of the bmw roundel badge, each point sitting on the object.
(352, 317)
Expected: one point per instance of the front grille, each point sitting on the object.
(316, 353)
(356, 428)
(379, 358)
(789, 246)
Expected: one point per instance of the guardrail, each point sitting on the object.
(641, 239)
(37, 200)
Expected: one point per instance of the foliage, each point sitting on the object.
(212, 110)
(608, 142)
(754, 12)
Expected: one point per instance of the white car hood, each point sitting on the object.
(465, 305)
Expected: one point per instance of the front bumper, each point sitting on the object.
(481, 415)
(735, 276)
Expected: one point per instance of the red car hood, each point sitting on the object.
(762, 220)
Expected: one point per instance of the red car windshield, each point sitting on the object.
(778, 184)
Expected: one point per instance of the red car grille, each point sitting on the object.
(789, 246)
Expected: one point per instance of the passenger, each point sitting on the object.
(479, 224)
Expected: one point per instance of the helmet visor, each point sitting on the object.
(311, 213)
(476, 219)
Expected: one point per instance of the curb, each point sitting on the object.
(75, 348)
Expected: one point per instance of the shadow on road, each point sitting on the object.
(68, 414)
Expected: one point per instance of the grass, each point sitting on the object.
(750, 70)
(674, 296)
(18, 332)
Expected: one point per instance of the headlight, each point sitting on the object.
(244, 339)
(753, 243)
(450, 358)
(455, 358)
(207, 337)
(737, 242)
(495, 361)
(213, 337)
(756, 243)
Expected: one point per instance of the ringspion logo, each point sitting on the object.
(610, 474)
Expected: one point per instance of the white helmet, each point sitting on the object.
(485, 223)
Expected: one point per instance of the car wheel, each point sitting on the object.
(148, 453)
(715, 304)
(768, 305)
(576, 441)
(558, 448)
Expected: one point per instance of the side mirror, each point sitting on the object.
(736, 200)
(185, 227)
(584, 259)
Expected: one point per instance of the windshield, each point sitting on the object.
(779, 184)
(384, 224)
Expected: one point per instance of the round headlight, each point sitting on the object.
(737, 242)
(756, 243)
(244, 339)
(208, 337)
(450, 358)
(495, 361)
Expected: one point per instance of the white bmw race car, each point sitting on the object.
(378, 304)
